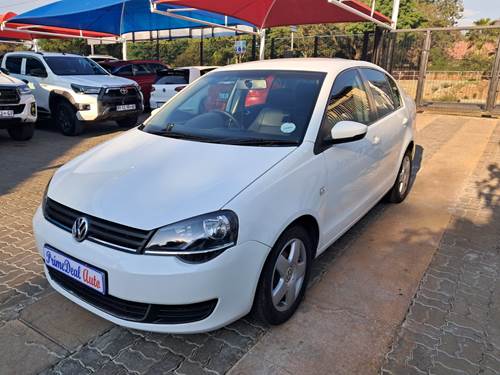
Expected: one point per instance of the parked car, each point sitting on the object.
(169, 82)
(144, 72)
(102, 58)
(17, 107)
(75, 90)
(188, 221)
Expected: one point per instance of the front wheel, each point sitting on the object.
(22, 132)
(127, 122)
(65, 117)
(401, 187)
(285, 276)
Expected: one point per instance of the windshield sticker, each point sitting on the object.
(288, 127)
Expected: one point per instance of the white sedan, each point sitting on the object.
(171, 81)
(222, 199)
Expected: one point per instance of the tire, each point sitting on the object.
(66, 119)
(128, 122)
(401, 187)
(272, 280)
(21, 132)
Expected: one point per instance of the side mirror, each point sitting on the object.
(5, 71)
(155, 111)
(348, 131)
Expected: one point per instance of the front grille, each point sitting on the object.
(16, 108)
(9, 95)
(135, 311)
(101, 231)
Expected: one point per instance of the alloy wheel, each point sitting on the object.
(404, 175)
(288, 274)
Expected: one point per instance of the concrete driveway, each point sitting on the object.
(412, 288)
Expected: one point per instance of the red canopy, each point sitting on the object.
(27, 35)
(272, 13)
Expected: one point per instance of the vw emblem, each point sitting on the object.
(124, 91)
(80, 229)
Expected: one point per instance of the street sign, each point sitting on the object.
(240, 46)
(293, 29)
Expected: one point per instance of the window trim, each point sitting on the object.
(319, 147)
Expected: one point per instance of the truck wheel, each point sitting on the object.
(127, 122)
(21, 132)
(65, 117)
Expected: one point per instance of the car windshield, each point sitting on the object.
(74, 66)
(262, 108)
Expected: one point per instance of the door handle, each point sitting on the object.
(405, 122)
(376, 140)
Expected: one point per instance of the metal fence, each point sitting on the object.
(447, 69)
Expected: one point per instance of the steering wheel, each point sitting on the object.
(232, 119)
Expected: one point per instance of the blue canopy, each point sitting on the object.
(116, 16)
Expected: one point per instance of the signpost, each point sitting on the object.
(240, 47)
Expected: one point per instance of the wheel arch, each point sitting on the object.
(56, 96)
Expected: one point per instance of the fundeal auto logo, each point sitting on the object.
(86, 275)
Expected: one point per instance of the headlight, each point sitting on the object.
(44, 199)
(199, 235)
(24, 90)
(79, 89)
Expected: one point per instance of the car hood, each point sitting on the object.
(101, 80)
(147, 181)
(6, 80)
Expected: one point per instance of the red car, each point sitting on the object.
(144, 72)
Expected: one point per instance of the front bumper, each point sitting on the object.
(231, 279)
(104, 106)
(24, 112)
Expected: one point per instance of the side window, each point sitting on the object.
(140, 70)
(381, 90)
(13, 64)
(348, 102)
(123, 70)
(396, 96)
(35, 68)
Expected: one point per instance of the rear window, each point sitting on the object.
(174, 78)
(13, 64)
(381, 90)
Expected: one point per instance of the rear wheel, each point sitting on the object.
(66, 119)
(285, 276)
(401, 187)
(21, 132)
(128, 122)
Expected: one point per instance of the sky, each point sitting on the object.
(473, 9)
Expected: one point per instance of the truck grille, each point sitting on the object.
(9, 95)
(19, 108)
(135, 311)
(112, 96)
(105, 232)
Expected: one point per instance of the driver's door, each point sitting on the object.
(350, 166)
(36, 75)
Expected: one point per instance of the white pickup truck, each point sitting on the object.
(17, 108)
(75, 90)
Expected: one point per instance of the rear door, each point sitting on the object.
(389, 126)
(36, 74)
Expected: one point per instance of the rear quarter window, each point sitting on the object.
(381, 87)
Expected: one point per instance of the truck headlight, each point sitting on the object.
(203, 234)
(24, 90)
(79, 89)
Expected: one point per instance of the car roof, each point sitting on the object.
(30, 53)
(300, 64)
(126, 62)
(199, 67)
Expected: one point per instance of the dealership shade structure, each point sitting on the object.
(21, 31)
(116, 17)
(271, 13)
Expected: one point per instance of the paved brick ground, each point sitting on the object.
(35, 338)
(453, 323)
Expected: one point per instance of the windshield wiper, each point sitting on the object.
(178, 135)
(259, 142)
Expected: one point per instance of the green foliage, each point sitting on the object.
(78, 46)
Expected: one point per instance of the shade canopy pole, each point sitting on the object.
(360, 14)
(395, 13)
(262, 49)
(124, 49)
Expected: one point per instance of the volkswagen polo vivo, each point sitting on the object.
(217, 205)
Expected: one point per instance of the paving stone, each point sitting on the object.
(175, 344)
(166, 365)
(64, 321)
(70, 366)
(134, 361)
(90, 358)
(25, 351)
(190, 368)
